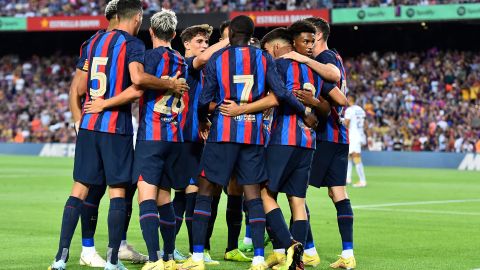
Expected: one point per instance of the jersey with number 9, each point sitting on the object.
(108, 57)
(162, 113)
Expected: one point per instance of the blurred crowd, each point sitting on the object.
(30, 8)
(424, 101)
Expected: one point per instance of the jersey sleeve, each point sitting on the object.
(135, 51)
(151, 62)
(277, 85)
(327, 87)
(82, 62)
(326, 58)
(208, 91)
(191, 70)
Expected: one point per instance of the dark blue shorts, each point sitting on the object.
(158, 163)
(191, 155)
(329, 166)
(288, 169)
(221, 160)
(103, 158)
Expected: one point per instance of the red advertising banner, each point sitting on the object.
(66, 23)
(281, 18)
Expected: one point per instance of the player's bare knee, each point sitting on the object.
(191, 189)
(116, 191)
(146, 191)
(79, 190)
(251, 192)
(297, 206)
(234, 188)
(163, 196)
(338, 193)
(205, 187)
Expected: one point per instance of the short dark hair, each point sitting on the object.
(128, 8)
(278, 33)
(242, 24)
(301, 26)
(192, 31)
(224, 25)
(321, 26)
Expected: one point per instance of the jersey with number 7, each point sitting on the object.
(109, 54)
(160, 113)
(243, 74)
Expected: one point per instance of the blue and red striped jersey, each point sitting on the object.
(82, 61)
(241, 74)
(288, 127)
(195, 80)
(161, 112)
(109, 55)
(334, 130)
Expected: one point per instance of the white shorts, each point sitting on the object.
(355, 147)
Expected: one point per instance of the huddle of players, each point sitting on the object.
(170, 150)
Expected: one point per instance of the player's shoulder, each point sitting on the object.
(218, 53)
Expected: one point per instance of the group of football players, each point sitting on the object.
(247, 117)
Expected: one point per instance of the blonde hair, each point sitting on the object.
(163, 24)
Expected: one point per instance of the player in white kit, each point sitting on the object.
(354, 120)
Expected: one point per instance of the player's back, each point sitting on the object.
(334, 130)
(161, 112)
(288, 127)
(241, 73)
(109, 54)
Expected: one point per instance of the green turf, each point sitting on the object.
(423, 236)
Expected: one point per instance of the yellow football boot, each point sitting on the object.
(344, 263)
(158, 265)
(192, 265)
(275, 258)
(311, 260)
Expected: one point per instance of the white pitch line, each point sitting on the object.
(413, 203)
(423, 212)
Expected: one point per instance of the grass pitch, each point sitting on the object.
(405, 219)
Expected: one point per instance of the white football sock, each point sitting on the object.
(347, 253)
(311, 251)
(360, 172)
(197, 256)
(123, 243)
(258, 260)
(88, 250)
(247, 240)
(349, 171)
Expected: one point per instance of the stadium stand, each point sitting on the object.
(24, 8)
(416, 101)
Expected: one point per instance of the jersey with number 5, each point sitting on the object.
(241, 74)
(109, 55)
(160, 113)
(288, 127)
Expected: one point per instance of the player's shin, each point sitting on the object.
(257, 224)
(167, 229)
(71, 214)
(149, 223)
(116, 223)
(201, 217)
(234, 220)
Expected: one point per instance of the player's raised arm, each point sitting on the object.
(276, 84)
(327, 71)
(201, 60)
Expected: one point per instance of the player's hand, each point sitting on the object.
(295, 56)
(230, 108)
(306, 97)
(179, 85)
(310, 120)
(204, 129)
(95, 106)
